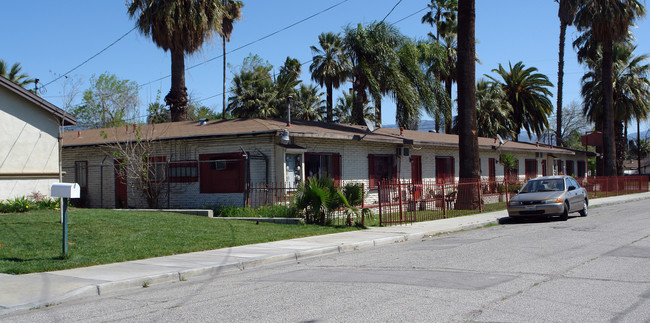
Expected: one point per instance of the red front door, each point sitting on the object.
(121, 194)
(416, 169)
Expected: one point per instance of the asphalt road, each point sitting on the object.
(585, 269)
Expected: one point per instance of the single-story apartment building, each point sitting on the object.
(213, 162)
(29, 144)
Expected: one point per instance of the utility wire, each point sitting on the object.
(255, 41)
(309, 61)
(86, 61)
(144, 117)
(391, 10)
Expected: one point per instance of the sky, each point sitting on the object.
(51, 38)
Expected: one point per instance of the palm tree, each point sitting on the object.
(344, 106)
(528, 94)
(442, 15)
(631, 91)
(493, 111)
(330, 66)
(181, 27)
(375, 61)
(608, 21)
(566, 13)
(308, 104)
(232, 13)
(13, 74)
(425, 91)
(254, 94)
(469, 168)
(433, 58)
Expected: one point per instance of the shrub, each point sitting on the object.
(268, 211)
(17, 205)
(48, 204)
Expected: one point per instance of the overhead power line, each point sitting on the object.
(254, 41)
(308, 61)
(391, 10)
(88, 60)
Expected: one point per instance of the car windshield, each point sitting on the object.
(543, 185)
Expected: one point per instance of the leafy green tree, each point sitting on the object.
(204, 112)
(608, 21)
(109, 102)
(232, 13)
(330, 66)
(253, 91)
(180, 27)
(573, 121)
(566, 13)
(14, 75)
(528, 94)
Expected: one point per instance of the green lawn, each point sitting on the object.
(32, 241)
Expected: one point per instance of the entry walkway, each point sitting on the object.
(33, 290)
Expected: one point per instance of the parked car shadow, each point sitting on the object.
(511, 220)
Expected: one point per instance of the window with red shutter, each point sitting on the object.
(381, 168)
(222, 173)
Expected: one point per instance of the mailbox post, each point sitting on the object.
(65, 191)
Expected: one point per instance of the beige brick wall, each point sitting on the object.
(354, 164)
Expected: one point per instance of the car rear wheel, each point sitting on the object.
(584, 211)
(565, 215)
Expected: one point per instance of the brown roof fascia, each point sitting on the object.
(299, 128)
(68, 119)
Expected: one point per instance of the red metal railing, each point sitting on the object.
(405, 202)
(261, 194)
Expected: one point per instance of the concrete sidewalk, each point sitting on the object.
(33, 290)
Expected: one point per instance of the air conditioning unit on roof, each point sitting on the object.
(403, 152)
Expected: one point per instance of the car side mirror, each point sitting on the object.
(571, 188)
(516, 191)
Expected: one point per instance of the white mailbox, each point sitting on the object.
(69, 190)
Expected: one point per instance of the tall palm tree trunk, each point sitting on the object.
(467, 128)
(177, 96)
(448, 87)
(330, 109)
(609, 146)
(223, 95)
(560, 84)
(378, 114)
(638, 145)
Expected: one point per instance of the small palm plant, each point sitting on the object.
(314, 197)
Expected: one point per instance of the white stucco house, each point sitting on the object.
(29, 145)
(213, 162)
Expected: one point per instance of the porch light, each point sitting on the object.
(285, 137)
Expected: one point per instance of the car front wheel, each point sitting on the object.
(583, 212)
(565, 215)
